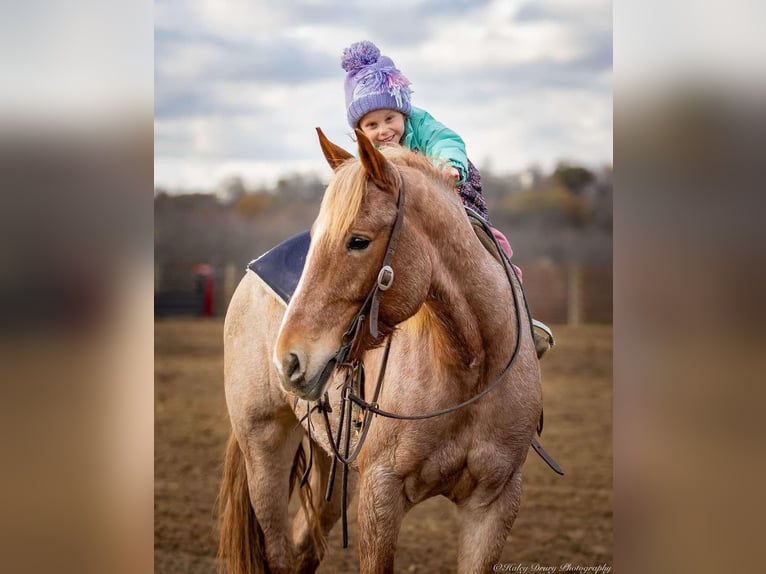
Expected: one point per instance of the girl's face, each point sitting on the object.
(383, 126)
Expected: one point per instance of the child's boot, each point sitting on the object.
(543, 337)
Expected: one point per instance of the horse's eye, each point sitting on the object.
(356, 242)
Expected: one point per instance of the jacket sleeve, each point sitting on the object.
(441, 142)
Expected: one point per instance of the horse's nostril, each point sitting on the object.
(293, 366)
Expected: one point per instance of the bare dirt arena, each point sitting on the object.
(564, 522)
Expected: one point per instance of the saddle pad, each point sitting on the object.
(281, 266)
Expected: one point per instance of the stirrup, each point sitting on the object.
(543, 337)
(546, 329)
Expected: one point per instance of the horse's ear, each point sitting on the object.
(380, 170)
(334, 154)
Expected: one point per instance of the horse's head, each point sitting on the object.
(348, 243)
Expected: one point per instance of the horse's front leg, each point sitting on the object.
(270, 452)
(309, 532)
(381, 508)
(484, 527)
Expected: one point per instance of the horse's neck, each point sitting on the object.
(470, 300)
(472, 308)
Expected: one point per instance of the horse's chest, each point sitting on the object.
(452, 469)
(437, 472)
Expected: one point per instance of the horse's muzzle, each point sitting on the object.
(294, 380)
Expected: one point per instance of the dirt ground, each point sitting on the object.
(563, 520)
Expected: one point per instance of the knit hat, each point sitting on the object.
(372, 83)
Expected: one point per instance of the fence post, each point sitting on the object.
(574, 302)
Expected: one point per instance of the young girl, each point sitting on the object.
(378, 103)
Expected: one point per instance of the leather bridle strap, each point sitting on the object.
(514, 282)
(371, 303)
(386, 274)
(350, 339)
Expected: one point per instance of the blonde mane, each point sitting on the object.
(343, 197)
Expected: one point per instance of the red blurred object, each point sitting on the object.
(205, 272)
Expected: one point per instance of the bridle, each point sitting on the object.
(352, 389)
(371, 306)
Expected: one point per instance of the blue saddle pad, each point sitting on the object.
(281, 266)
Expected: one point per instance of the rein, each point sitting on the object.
(352, 388)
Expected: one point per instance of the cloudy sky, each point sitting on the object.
(241, 84)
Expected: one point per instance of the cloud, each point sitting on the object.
(241, 85)
(274, 59)
(190, 67)
(583, 12)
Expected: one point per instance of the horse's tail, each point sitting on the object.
(240, 546)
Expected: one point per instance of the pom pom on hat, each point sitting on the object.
(372, 83)
(359, 54)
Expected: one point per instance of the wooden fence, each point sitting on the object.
(572, 294)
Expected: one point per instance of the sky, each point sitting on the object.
(240, 85)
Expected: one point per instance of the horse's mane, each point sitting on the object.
(343, 198)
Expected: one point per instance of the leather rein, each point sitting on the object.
(352, 388)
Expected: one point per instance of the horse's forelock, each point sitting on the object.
(342, 201)
(343, 198)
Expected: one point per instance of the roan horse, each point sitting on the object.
(453, 325)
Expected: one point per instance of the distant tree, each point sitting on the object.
(232, 189)
(550, 207)
(494, 188)
(250, 205)
(532, 177)
(298, 187)
(573, 178)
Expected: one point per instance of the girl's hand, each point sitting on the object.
(452, 172)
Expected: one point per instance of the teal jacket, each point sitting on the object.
(435, 140)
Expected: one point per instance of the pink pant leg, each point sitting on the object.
(503, 242)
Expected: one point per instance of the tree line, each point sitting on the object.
(564, 215)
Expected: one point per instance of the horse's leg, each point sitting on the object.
(253, 509)
(309, 533)
(382, 507)
(484, 528)
(265, 428)
(270, 449)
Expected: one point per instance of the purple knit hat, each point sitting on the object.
(372, 83)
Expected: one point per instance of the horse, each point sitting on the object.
(445, 337)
